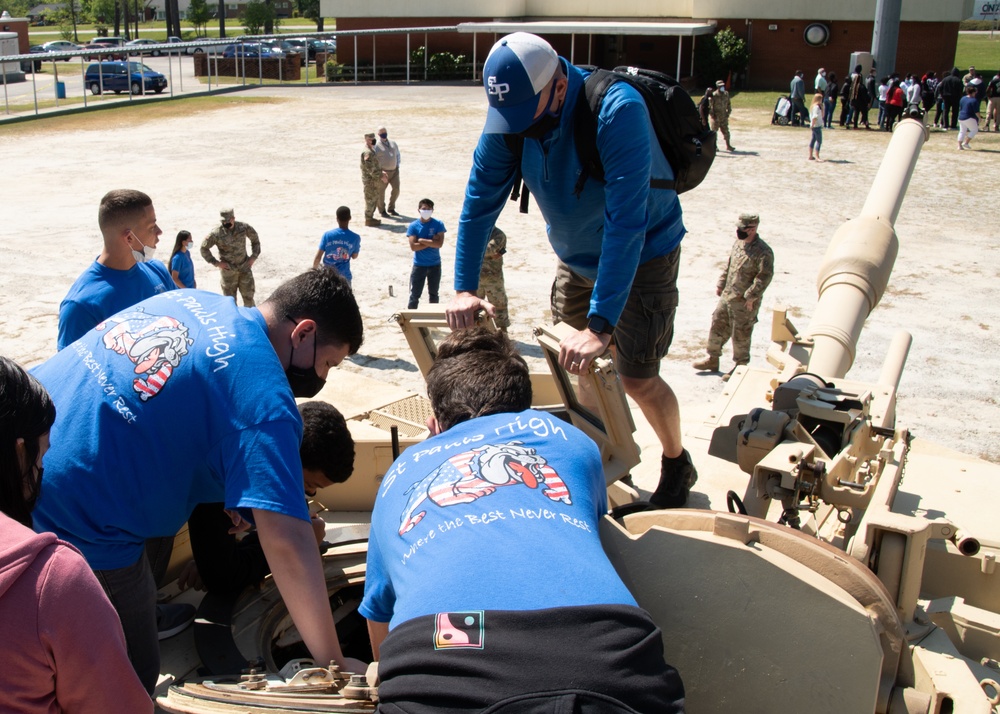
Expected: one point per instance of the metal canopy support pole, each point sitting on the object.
(373, 58)
(260, 67)
(180, 68)
(680, 46)
(474, 75)
(34, 88)
(694, 39)
(243, 62)
(55, 72)
(170, 73)
(83, 76)
(885, 35)
(407, 57)
(355, 59)
(572, 48)
(6, 99)
(426, 53)
(305, 54)
(590, 48)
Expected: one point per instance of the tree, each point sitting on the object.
(198, 15)
(720, 56)
(310, 9)
(255, 16)
(222, 18)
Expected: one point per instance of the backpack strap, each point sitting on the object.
(520, 189)
(595, 87)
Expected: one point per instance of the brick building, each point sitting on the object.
(776, 31)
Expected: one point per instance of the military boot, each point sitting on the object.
(373, 222)
(677, 476)
(709, 364)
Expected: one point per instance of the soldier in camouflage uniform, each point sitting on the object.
(741, 286)
(720, 109)
(235, 264)
(491, 286)
(372, 178)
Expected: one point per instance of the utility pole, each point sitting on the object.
(885, 35)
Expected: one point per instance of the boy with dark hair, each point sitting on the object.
(484, 559)
(338, 247)
(426, 236)
(226, 566)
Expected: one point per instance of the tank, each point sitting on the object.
(855, 570)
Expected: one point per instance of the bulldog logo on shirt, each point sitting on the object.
(477, 473)
(154, 343)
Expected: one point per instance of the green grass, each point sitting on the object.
(980, 51)
(157, 30)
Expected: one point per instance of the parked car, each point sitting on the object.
(121, 77)
(208, 49)
(140, 45)
(33, 65)
(328, 46)
(61, 46)
(299, 44)
(108, 52)
(108, 41)
(249, 50)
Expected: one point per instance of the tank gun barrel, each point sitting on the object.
(859, 260)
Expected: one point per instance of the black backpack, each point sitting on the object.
(687, 145)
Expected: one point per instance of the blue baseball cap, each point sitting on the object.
(516, 71)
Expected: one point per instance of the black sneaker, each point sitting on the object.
(392, 212)
(172, 618)
(677, 476)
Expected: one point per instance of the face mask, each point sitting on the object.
(304, 381)
(546, 123)
(383, 137)
(147, 253)
(742, 234)
(425, 213)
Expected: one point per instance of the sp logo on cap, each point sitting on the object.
(499, 89)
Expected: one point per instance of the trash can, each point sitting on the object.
(60, 90)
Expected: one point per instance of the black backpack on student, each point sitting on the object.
(687, 145)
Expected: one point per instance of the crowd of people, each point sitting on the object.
(953, 99)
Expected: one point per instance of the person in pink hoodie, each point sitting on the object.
(62, 644)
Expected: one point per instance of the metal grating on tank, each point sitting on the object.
(409, 414)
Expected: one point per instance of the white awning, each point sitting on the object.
(570, 27)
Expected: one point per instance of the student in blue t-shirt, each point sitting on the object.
(337, 248)
(124, 273)
(426, 238)
(181, 265)
(218, 383)
(484, 559)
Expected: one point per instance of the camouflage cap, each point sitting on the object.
(370, 135)
(747, 220)
(227, 213)
(719, 83)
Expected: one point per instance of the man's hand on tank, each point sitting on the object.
(579, 349)
(461, 312)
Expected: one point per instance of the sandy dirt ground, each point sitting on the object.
(286, 158)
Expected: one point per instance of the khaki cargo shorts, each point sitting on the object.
(646, 328)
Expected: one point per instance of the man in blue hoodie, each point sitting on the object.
(617, 240)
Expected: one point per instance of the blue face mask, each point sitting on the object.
(548, 121)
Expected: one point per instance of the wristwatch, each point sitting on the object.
(600, 326)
